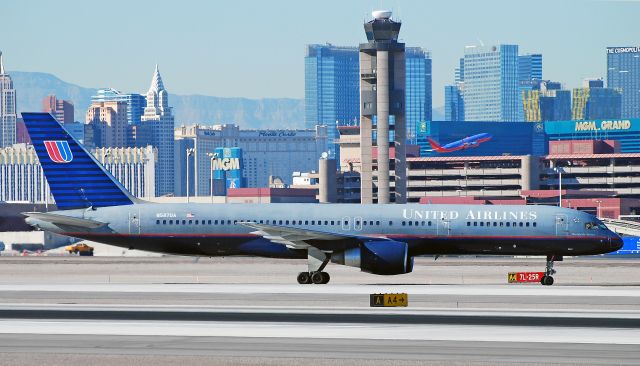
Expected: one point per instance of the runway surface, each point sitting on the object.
(161, 311)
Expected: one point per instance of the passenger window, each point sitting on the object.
(357, 223)
(196, 222)
(520, 224)
(468, 223)
(390, 223)
(501, 224)
(313, 222)
(410, 223)
(527, 224)
(333, 222)
(416, 223)
(228, 222)
(535, 224)
(364, 223)
(508, 224)
(370, 223)
(377, 223)
(403, 223)
(157, 222)
(280, 222)
(488, 224)
(164, 222)
(481, 223)
(170, 222)
(495, 224)
(326, 222)
(429, 223)
(475, 223)
(306, 222)
(299, 222)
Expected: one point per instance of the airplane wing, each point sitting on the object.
(299, 238)
(65, 220)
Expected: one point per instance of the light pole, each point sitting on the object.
(559, 171)
(213, 156)
(189, 153)
(598, 211)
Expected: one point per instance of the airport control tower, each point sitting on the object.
(382, 108)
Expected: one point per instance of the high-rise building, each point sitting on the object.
(22, 179)
(265, 153)
(453, 103)
(454, 95)
(491, 83)
(382, 98)
(8, 113)
(135, 102)
(530, 67)
(623, 73)
(61, 110)
(156, 129)
(546, 101)
(331, 89)
(594, 101)
(418, 98)
(529, 77)
(106, 125)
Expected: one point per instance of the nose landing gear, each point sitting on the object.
(547, 279)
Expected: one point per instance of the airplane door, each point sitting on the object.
(443, 227)
(562, 225)
(346, 223)
(134, 222)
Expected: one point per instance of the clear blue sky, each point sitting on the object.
(255, 48)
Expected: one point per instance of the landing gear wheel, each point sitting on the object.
(317, 278)
(547, 280)
(304, 278)
(325, 277)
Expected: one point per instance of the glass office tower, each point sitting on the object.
(491, 83)
(418, 99)
(623, 74)
(331, 92)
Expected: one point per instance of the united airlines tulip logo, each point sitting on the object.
(59, 151)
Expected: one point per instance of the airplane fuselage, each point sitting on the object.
(217, 229)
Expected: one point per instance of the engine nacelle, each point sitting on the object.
(377, 257)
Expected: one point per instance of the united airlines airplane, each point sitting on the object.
(379, 239)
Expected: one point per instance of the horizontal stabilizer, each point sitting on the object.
(65, 220)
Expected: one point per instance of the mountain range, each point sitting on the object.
(32, 87)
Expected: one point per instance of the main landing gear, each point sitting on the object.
(316, 260)
(547, 279)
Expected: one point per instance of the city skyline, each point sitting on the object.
(196, 67)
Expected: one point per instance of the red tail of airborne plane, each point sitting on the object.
(436, 146)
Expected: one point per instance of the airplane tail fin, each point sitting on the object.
(75, 177)
(434, 144)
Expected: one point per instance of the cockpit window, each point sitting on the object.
(594, 226)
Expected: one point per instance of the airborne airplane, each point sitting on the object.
(379, 239)
(465, 143)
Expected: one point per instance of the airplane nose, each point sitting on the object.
(615, 242)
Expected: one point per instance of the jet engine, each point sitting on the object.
(377, 257)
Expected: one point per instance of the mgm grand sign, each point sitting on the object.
(614, 125)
